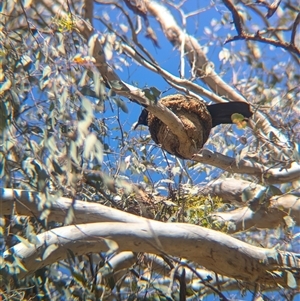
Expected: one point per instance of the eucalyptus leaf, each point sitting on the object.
(46, 71)
(290, 279)
(121, 104)
(70, 216)
(50, 249)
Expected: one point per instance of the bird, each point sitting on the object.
(220, 113)
(197, 119)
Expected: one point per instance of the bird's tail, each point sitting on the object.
(221, 112)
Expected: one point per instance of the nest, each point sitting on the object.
(195, 118)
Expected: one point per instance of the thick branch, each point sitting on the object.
(27, 203)
(260, 210)
(244, 218)
(209, 248)
(269, 175)
(231, 190)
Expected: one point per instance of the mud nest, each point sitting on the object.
(195, 118)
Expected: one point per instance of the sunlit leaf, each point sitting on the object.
(44, 215)
(97, 83)
(224, 55)
(98, 151)
(290, 279)
(91, 44)
(239, 120)
(89, 145)
(49, 250)
(61, 44)
(108, 51)
(87, 106)
(83, 81)
(145, 178)
(73, 152)
(70, 216)
(46, 71)
(112, 247)
(23, 240)
(118, 85)
(289, 222)
(18, 263)
(124, 27)
(4, 86)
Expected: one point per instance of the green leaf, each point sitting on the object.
(63, 98)
(273, 190)
(251, 193)
(15, 100)
(155, 92)
(117, 85)
(121, 104)
(152, 94)
(239, 120)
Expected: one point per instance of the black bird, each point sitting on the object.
(220, 113)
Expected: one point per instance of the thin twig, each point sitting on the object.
(236, 17)
(293, 36)
(242, 35)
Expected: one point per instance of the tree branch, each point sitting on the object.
(209, 248)
(259, 209)
(269, 175)
(242, 35)
(268, 217)
(27, 203)
(236, 17)
(179, 83)
(294, 30)
(193, 50)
